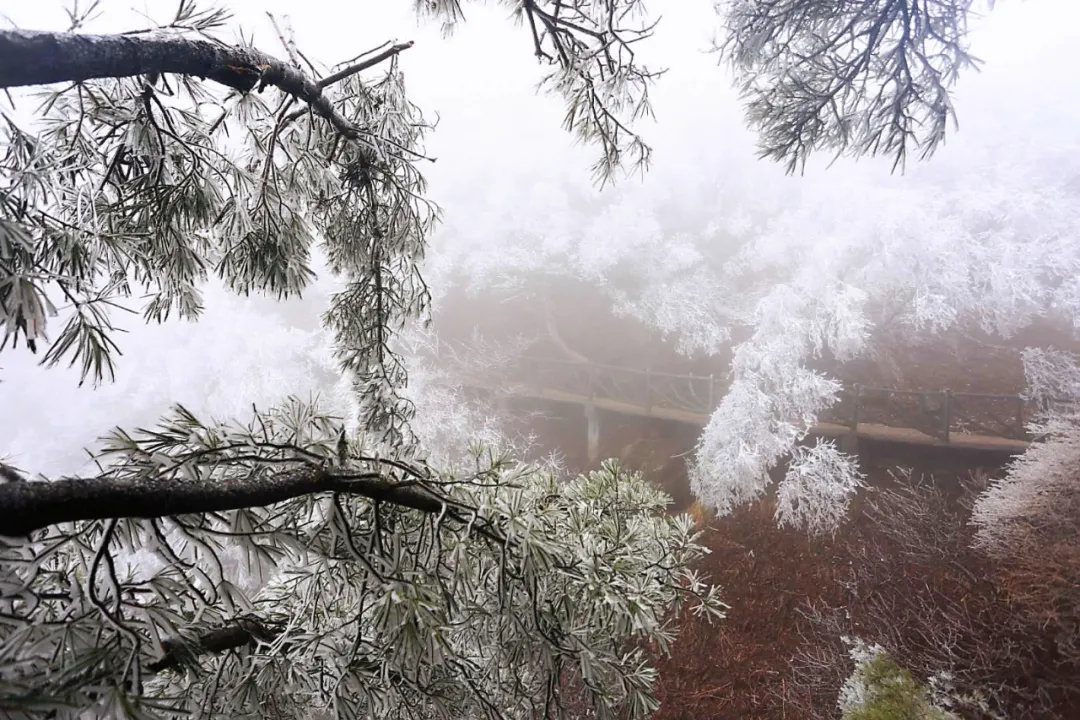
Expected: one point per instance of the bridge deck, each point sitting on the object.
(869, 431)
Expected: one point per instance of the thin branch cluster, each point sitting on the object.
(590, 46)
(854, 77)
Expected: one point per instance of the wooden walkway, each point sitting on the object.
(961, 420)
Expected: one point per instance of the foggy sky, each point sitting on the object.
(505, 170)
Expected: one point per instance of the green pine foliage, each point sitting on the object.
(882, 690)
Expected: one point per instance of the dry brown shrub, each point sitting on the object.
(1041, 576)
(938, 605)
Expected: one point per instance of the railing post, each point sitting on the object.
(592, 434)
(648, 390)
(590, 380)
(857, 391)
(946, 415)
(850, 442)
(712, 397)
(1020, 416)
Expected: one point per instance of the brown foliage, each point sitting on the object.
(918, 588)
(1038, 566)
(903, 574)
(1045, 584)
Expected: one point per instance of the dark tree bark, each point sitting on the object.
(237, 634)
(29, 57)
(29, 506)
(242, 632)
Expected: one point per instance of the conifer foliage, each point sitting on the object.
(293, 563)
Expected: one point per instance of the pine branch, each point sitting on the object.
(29, 506)
(236, 634)
(29, 57)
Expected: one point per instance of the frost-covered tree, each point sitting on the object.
(862, 78)
(294, 563)
(143, 178)
(1029, 519)
(795, 276)
(265, 570)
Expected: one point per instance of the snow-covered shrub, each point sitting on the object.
(1050, 374)
(817, 488)
(1029, 522)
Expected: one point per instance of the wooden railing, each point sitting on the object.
(640, 388)
(940, 414)
(936, 417)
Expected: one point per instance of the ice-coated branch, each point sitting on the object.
(29, 506)
(233, 635)
(590, 50)
(30, 57)
(858, 78)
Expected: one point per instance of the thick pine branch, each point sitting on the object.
(242, 632)
(236, 634)
(29, 506)
(29, 57)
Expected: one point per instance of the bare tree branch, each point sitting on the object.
(362, 65)
(556, 337)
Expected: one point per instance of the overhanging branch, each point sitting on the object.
(233, 635)
(29, 506)
(30, 57)
(236, 634)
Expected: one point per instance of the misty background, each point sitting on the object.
(519, 201)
